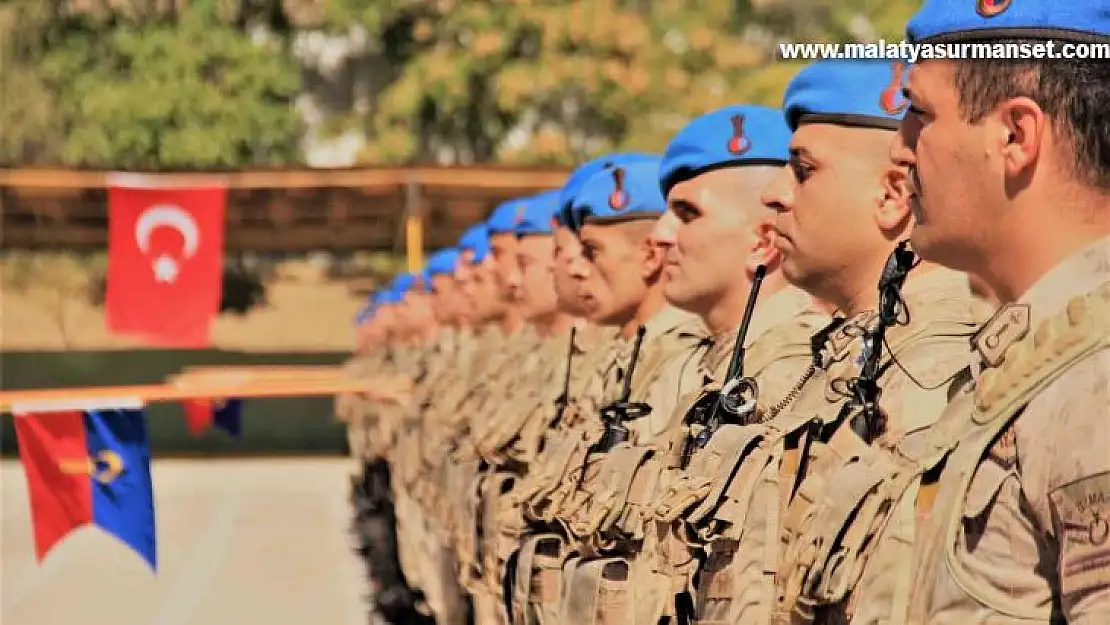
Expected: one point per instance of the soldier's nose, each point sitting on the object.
(663, 234)
(778, 195)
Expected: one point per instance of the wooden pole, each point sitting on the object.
(48, 400)
(414, 226)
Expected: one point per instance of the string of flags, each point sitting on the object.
(86, 451)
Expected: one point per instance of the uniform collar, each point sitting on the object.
(1082, 272)
(786, 304)
(671, 319)
(779, 308)
(935, 284)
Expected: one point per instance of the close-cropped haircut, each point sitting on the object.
(1073, 92)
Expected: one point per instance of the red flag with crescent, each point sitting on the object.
(165, 263)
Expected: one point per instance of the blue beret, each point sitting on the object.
(847, 93)
(967, 20)
(442, 262)
(734, 135)
(403, 283)
(539, 211)
(476, 239)
(622, 193)
(388, 296)
(584, 172)
(505, 216)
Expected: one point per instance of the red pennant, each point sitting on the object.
(198, 415)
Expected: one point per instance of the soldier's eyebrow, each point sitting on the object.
(681, 206)
(800, 152)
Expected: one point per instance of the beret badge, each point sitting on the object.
(991, 8)
(891, 99)
(739, 143)
(618, 199)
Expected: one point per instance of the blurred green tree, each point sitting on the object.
(206, 84)
(529, 81)
(148, 85)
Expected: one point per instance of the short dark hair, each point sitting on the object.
(1074, 92)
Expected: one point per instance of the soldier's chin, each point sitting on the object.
(679, 295)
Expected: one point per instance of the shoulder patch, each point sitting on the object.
(1081, 512)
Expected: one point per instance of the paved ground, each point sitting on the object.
(239, 542)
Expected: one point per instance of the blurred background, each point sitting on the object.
(282, 86)
(342, 123)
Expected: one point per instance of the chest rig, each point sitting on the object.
(600, 487)
(788, 457)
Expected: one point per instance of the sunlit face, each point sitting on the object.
(952, 170)
(368, 333)
(826, 200)
(569, 263)
(386, 321)
(537, 263)
(446, 299)
(709, 223)
(618, 260)
(507, 266)
(478, 282)
(418, 302)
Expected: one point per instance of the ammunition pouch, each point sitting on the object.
(606, 495)
(706, 484)
(536, 593)
(555, 477)
(612, 591)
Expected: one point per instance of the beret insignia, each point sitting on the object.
(739, 143)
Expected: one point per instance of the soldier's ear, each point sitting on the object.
(654, 257)
(762, 250)
(893, 212)
(1019, 130)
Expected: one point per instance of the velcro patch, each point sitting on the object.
(1082, 511)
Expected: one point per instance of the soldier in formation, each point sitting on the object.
(840, 362)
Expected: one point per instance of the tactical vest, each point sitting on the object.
(766, 458)
(832, 549)
(495, 437)
(622, 518)
(564, 447)
(599, 488)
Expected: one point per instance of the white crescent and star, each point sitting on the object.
(165, 267)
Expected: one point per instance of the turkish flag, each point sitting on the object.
(165, 263)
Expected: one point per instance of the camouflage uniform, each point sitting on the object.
(468, 481)
(1015, 528)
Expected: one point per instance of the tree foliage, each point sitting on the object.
(166, 84)
(141, 85)
(534, 81)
